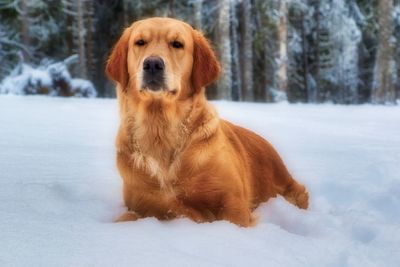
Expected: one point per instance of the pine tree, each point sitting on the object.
(265, 47)
(81, 20)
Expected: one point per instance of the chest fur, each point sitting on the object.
(163, 172)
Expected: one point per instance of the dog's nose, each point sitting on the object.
(153, 65)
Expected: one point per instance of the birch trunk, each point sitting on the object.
(224, 90)
(283, 57)
(383, 90)
(247, 52)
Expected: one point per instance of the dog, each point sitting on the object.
(177, 158)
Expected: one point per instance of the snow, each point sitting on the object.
(83, 88)
(24, 79)
(60, 190)
(50, 78)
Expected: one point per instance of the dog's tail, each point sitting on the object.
(296, 194)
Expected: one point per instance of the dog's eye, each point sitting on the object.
(177, 44)
(140, 42)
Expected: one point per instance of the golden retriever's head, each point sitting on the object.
(159, 57)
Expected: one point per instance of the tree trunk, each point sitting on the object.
(383, 90)
(236, 64)
(171, 8)
(89, 39)
(197, 6)
(283, 56)
(81, 38)
(125, 12)
(70, 34)
(309, 95)
(246, 52)
(25, 38)
(224, 90)
(317, 51)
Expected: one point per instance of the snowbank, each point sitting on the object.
(60, 190)
(49, 79)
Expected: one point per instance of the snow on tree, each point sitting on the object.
(51, 78)
(323, 51)
(265, 47)
(343, 51)
(81, 11)
(344, 38)
(301, 84)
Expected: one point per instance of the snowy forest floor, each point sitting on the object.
(60, 190)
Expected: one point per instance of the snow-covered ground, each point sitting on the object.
(60, 191)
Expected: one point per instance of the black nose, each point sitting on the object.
(153, 65)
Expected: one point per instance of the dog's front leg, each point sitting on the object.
(125, 170)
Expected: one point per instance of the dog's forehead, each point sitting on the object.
(162, 26)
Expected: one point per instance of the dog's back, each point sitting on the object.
(266, 168)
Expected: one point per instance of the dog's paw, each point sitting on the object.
(127, 216)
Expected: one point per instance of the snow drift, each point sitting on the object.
(60, 190)
(48, 79)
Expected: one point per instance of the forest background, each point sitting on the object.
(314, 51)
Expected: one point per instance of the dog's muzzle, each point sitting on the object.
(153, 73)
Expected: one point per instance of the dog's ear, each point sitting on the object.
(117, 67)
(206, 68)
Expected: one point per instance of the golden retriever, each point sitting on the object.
(176, 156)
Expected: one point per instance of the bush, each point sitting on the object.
(51, 79)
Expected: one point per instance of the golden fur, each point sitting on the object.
(175, 155)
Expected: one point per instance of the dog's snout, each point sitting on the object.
(153, 78)
(153, 64)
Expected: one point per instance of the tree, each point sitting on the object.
(316, 95)
(224, 90)
(344, 51)
(198, 5)
(301, 86)
(366, 18)
(282, 53)
(29, 32)
(89, 39)
(383, 90)
(235, 42)
(246, 51)
(25, 36)
(344, 39)
(81, 34)
(396, 17)
(265, 47)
